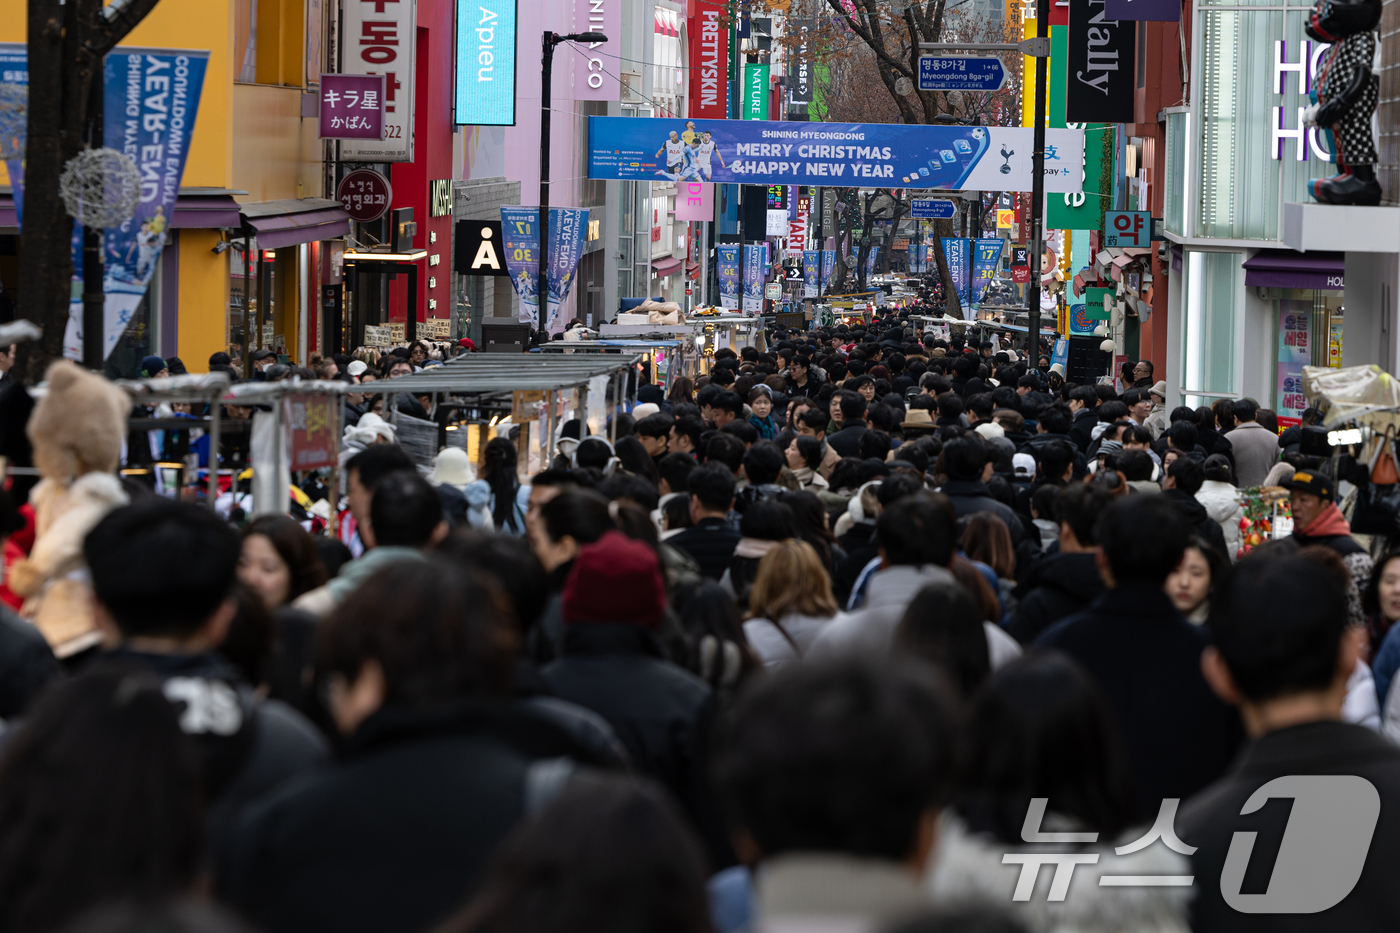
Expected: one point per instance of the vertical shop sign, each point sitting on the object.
(1294, 352)
(709, 60)
(1099, 66)
(379, 38)
(755, 92)
(595, 68)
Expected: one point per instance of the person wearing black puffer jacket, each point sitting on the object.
(1064, 583)
(614, 664)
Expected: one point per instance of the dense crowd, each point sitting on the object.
(833, 638)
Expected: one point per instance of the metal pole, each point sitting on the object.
(410, 325)
(547, 43)
(248, 345)
(1042, 23)
(213, 495)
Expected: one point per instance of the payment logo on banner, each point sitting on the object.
(728, 261)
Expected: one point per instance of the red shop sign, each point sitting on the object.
(365, 195)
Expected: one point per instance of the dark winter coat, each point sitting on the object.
(27, 663)
(711, 542)
(1056, 587)
(1214, 822)
(1199, 519)
(660, 711)
(1146, 658)
(846, 441)
(1082, 430)
(392, 838)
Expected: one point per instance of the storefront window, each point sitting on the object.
(1211, 342)
(1177, 171)
(243, 299)
(1253, 157)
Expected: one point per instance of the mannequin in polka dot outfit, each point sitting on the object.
(1344, 97)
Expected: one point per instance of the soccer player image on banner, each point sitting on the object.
(674, 149)
(705, 150)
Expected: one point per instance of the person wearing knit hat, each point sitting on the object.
(614, 664)
(153, 367)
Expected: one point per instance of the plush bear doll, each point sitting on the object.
(77, 431)
(1344, 95)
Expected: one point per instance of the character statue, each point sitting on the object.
(1344, 97)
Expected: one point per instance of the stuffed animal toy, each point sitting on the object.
(1344, 97)
(77, 431)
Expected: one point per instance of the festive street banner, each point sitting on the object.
(828, 267)
(150, 98)
(728, 254)
(568, 230)
(811, 272)
(753, 278)
(763, 152)
(870, 261)
(14, 70)
(520, 231)
(958, 252)
(986, 255)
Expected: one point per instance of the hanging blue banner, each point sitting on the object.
(958, 252)
(520, 232)
(828, 267)
(14, 70)
(150, 99)
(728, 254)
(769, 152)
(568, 229)
(870, 261)
(811, 270)
(753, 278)
(986, 254)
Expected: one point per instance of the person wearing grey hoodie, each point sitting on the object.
(917, 536)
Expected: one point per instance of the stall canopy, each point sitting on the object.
(292, 221)
(1286, 268)
(503, 373)
(1367, 394)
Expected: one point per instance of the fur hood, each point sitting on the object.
(969, 868)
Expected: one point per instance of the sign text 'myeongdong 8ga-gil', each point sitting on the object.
(764, 152)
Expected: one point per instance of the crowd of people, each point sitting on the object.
(836, 637)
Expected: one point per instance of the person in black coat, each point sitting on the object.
(614, 664)
(1064, 583)
(846, 441)
(1183, 480)
(967, 463)
(429, 781)
(1083, 401)
(1283, 652)
(710, 540)
(1147, 658)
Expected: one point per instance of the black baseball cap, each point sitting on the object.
(262, 354)
(1308, 481)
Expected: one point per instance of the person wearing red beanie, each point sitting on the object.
(614, 664)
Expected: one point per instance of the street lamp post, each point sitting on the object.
(548, 42)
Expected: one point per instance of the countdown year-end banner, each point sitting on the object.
(520, 235)
(828, 267)
(986, 254)
(753, 277)
(728, 256)
(811, 270)
(150, 98)
(767, 152)
(958, 252)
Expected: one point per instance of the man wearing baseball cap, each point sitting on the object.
(1318, 521)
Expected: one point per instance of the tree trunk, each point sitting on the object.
(952, 306)
(67, 42)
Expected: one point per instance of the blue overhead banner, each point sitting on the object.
(728, 255)
(958, 252)
(828, 267)
(811, 269)
(753, 277)
(520, 232)
(484, 85)
(150, 101)
(766, 152)
(986, 253)
(14, 69)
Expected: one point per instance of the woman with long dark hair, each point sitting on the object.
(278, 560)
(509, 499)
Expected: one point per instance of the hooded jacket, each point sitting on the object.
(1055, 588)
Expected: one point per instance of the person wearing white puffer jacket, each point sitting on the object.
(1218, 495)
